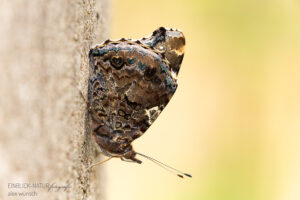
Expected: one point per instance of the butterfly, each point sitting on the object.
(130, 83)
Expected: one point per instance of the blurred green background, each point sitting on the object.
(234, 121)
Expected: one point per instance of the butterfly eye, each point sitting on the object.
(117, 62)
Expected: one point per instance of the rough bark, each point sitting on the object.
(44, 125)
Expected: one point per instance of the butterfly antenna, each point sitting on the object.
(166, 167)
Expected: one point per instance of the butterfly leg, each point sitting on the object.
(99, 163)
(86, 101)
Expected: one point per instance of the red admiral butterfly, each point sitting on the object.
(131, 83)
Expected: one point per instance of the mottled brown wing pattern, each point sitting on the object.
(130, 84)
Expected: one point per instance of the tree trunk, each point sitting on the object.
(45, 141)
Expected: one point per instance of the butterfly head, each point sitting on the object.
(170, 43)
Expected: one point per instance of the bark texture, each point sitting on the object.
(44, 129)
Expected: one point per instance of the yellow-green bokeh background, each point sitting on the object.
(234, 121)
